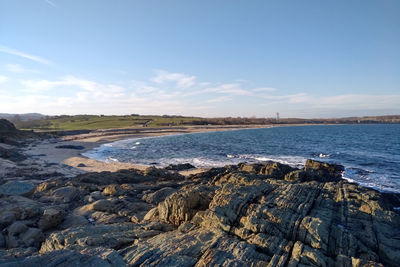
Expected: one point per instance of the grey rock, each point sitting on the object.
(109, 236)
(17, 188)
(66, 194)
(158, 196)
(181, 206)
(180, 167)
(17, 228)
(72, 220)
(51, 218)
(33, 237)
(6, 218)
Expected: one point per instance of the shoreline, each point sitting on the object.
(48, 152)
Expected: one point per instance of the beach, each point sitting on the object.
(47, 150)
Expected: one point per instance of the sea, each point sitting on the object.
(370, 153)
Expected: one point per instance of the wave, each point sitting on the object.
(111, 159)
(320, 155)
(371, 179)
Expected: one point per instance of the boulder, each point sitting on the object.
(17, 188)
(16, 228)
(6, 218)
(33, 237)
(298, 176)
(7, 127)
(73, 220)
(51, 218)
(18, 208)
(180, 167)
(99, 205)
(160, 195)
(66, 194)
(118, 190)
(323, 171)
(182, 205)
(94, 196)
(272, 169)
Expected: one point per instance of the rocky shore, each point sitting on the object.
(266, 214)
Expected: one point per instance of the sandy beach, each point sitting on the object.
(48, 151)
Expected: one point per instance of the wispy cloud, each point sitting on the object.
(15, 52)
(228, 88)
(40, 86)
(17, 68)
(3, 79)
(182, 80)
(220, 99)
(50, 3)
(264, 89)
(349, 101)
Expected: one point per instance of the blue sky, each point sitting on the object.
(310, 58)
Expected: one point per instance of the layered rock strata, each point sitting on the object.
(247, 215)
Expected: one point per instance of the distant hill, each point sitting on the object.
(21, 117)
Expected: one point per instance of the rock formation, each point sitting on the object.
(247, 215)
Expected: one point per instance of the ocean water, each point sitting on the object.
(370, 153)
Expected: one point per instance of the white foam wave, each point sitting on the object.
(370, 180)
(196, 161)
(111, 159)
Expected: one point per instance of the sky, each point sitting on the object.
(310, 58)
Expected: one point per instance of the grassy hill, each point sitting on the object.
(92, 122)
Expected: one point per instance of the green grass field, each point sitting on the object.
(91, 122)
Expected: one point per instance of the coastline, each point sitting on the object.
(122, 217)
(48, 153)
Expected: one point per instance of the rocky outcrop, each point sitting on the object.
(12, 136)
(247, 215)
(180, 167)
(7, 127)
(181, 206)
